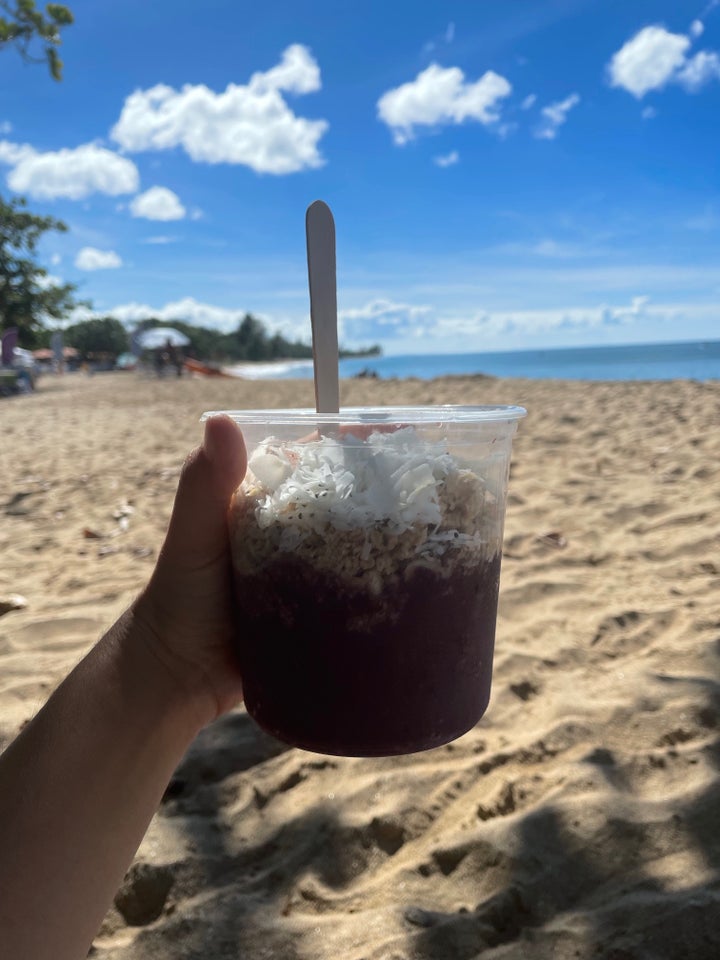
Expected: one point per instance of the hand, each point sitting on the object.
(186, 614)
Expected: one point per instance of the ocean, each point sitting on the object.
(695, 360)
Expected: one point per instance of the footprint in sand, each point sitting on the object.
(626, 633)
(143, 893)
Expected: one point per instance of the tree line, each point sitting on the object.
(32, 301)
(250, 341)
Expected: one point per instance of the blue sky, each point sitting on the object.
(503, 176)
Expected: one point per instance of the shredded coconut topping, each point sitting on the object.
(348, 482)
(364, 509)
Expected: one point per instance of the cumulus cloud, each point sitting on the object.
(157, 203)
(13, 154)
(89, 258)
(529, 101)
(441, 96)
(187, 308)
(648, 60)
(198, 313)
(699, 70)
(654, 58)
(402, 323)
(530, 322)
(70, 173)
(248, 124)
(447, 159)
(381, 317)
(47, 280)
(554, 116)
(383, 311)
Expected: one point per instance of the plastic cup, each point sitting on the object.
(366, 569)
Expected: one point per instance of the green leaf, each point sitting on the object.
(54, 62)
(25, 25)
(61, 15)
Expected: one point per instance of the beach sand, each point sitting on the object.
(580, 818)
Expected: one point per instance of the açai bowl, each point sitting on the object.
(366, 556)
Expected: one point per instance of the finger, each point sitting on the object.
(197, 531)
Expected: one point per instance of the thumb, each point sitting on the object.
(198, 533)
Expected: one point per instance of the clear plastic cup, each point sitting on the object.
(366, 552)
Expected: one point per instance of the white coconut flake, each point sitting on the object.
(391, 478)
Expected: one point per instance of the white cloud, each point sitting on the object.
(554, 116)
(47, 280)
(388, 318)
(699, 70)
(159, 240)
(70, 173)
(529, 101)
(383, 311)
(89, 258)
(55, 259)
(403, 324)
(410, 328)
(14, 153)
(440, 96)
(5, 128)
(530, 322)
(450, 32)
(648, 60)
(648, 113)
(250, 125)
(654, 57)
(198, 313)
(157, 203)
(187, 308)
(447, 159)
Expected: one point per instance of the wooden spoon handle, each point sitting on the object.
(320, 233)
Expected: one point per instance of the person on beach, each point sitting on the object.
(80, 784)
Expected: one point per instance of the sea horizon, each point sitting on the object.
(681, 360)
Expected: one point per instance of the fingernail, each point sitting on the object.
(210, 442)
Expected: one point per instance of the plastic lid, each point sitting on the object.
(439, 414)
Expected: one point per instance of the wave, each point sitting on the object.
(274, 370)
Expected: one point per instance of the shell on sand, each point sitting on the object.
(12, 601)
(578, 819)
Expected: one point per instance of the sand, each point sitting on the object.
(580, 818)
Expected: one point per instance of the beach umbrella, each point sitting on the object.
(159, 336)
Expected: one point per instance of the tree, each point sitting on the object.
(251, 339)
(99, 335)
(28, 296)
(22, 23)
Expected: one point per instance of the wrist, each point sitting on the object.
(150, 674)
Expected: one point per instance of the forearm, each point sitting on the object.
(78, 789)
